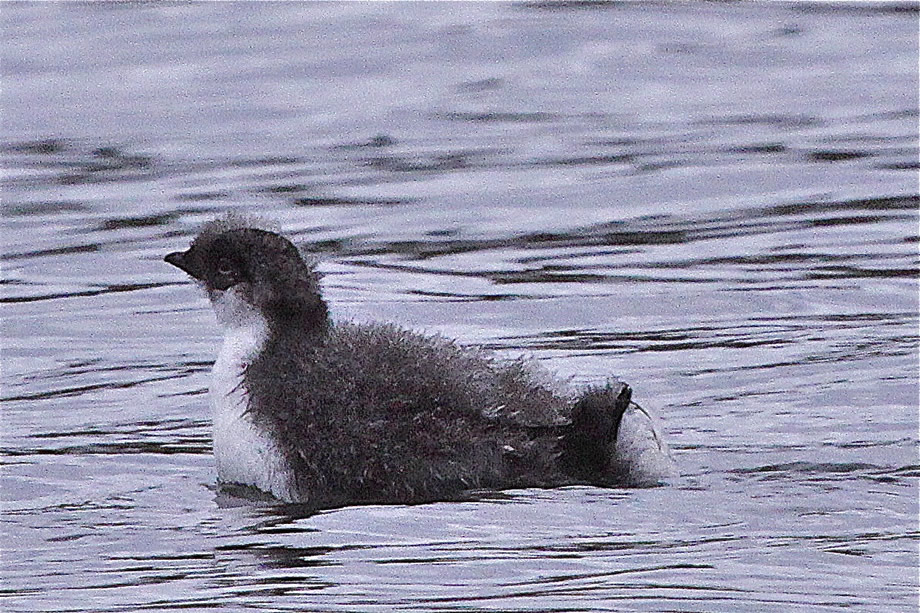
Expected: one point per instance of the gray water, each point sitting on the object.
(716, 202)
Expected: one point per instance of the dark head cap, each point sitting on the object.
(266, 269)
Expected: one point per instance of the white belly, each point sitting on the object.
(243, 453)
(641, 451)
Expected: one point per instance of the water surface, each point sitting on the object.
(717, 203)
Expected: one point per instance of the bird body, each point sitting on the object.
(329, 414)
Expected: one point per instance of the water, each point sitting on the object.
(716, 202)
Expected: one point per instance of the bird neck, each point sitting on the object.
(304, 320)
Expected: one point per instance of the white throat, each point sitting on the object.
(243, 453)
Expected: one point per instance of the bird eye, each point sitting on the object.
(224, 267)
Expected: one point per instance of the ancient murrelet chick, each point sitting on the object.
(328, 414)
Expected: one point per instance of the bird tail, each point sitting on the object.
(587, 445)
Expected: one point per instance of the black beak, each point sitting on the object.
(180, 261)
